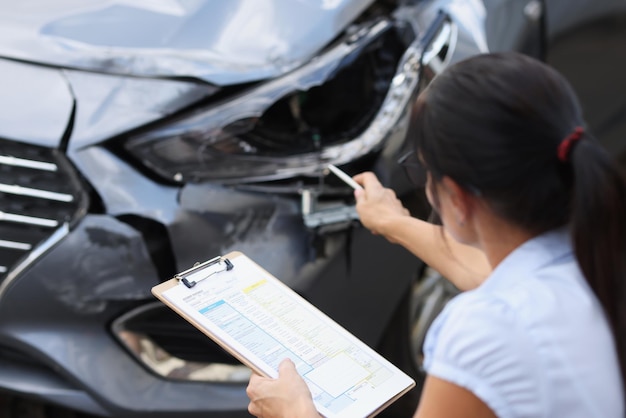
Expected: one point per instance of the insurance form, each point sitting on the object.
(261, 321)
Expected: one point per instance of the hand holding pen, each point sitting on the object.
(376, 205)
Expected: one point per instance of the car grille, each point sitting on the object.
(39, 193)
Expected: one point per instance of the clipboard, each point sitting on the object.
(260, 321)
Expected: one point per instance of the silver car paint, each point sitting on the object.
(221, 42)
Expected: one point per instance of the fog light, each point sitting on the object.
(170, 347)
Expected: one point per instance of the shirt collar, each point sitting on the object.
(530, 256)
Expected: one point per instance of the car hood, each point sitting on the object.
(222, 42)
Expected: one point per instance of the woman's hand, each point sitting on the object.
(286, 396)
(377, 205)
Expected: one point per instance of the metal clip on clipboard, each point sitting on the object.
(197, 273)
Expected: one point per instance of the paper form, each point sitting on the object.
(250, 309)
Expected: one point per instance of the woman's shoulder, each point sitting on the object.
(479, 343)
(474, 313)
(535, 307)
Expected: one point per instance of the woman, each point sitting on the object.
(534, 223)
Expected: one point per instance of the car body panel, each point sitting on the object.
(52, 331)
(46, 95)
(221, 42)
(140, 196)
(44, 386)
(110, 105)
(468, 15)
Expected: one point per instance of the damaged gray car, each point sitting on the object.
(138, 138)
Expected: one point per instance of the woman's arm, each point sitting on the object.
(382, 213)
(442, 399)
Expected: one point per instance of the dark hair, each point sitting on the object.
(493, 123)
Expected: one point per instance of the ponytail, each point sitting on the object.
(598, 224)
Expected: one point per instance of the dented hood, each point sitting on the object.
(219, 41)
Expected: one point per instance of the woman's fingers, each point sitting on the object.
(376, 204)
(286, 396)
(287, 368)
(368, 180)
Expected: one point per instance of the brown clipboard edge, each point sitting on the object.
(392, 400)
(158, 290)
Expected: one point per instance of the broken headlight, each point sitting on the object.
(338, 107)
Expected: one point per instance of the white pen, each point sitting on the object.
(346, 178)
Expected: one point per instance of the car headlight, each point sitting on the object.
(337, 108)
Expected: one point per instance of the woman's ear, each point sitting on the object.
(461, 201)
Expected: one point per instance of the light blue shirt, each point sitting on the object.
(532, 340)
